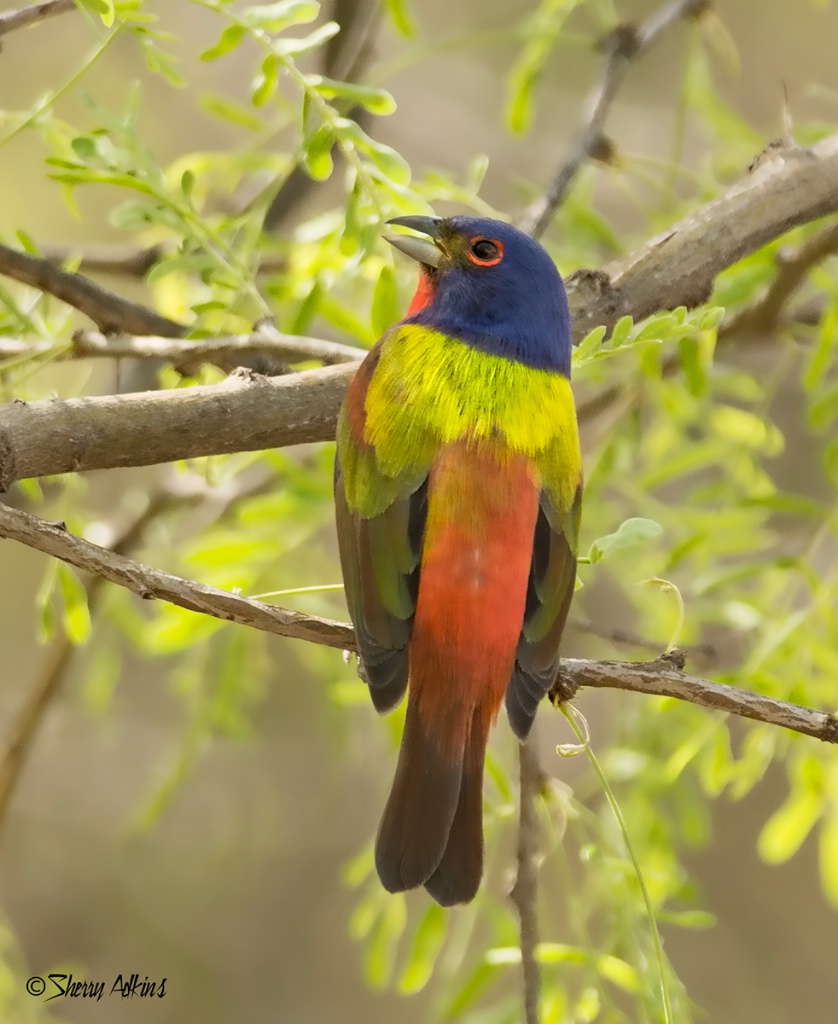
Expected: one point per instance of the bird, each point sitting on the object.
(458, 496)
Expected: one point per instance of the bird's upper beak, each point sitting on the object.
(421, 249)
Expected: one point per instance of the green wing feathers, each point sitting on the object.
(380, 524)
(549, 593)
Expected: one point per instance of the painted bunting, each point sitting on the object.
(458, 486)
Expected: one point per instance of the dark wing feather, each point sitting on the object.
(549, 593)
(380, 560)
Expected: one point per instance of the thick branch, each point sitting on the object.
(662, 676)
(246, 412)
(678, 267)
(789, 187)
(33, 14)
(624, 45)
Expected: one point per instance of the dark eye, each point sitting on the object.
(484, 250)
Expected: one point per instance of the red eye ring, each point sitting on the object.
(485, 252)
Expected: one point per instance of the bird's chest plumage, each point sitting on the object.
(429, 390)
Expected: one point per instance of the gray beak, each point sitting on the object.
(420, 249)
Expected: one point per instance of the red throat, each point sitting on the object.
(424, 293)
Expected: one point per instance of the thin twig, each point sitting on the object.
(110, 312)
(627, 638)
(625, 44)
(34, 14)
(663, 676)
(131, 261)
(793, 270)
(226, 351)
(524, 893)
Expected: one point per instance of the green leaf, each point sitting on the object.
(76, 614)
(85, 147)
(44, 602)
(279, 16)
(621, 332)
(631, 532)
(27, 242)
(362, 865)
(104, 8)
(227, 109)
(317, 153)
(824, 408)
(828, 856)
(711, 318)
(265, 85)
(392, 166)
(822, 354)
(385, 302)
(745, 428)
(590, 343)
(296, 47)
(376, 101)
(229, 40)
(619, 973)
(400, 15)
(693, 366)
(784, 832)
(381, 946)
(542, 31)
(425, 945)
(695, 920)
(131, 215)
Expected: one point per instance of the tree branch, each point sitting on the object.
(110, 312)
(787, 188)
(246, 413)
(524, 893)
(663, 676)
(54, 539)
(625, 44)
(226, 352)
(33, 14)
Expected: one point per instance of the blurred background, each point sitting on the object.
(235, 892)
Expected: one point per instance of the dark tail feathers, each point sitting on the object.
(431, 832)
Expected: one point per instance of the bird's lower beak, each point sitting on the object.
(420, 249)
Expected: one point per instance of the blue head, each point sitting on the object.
(490, 285)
